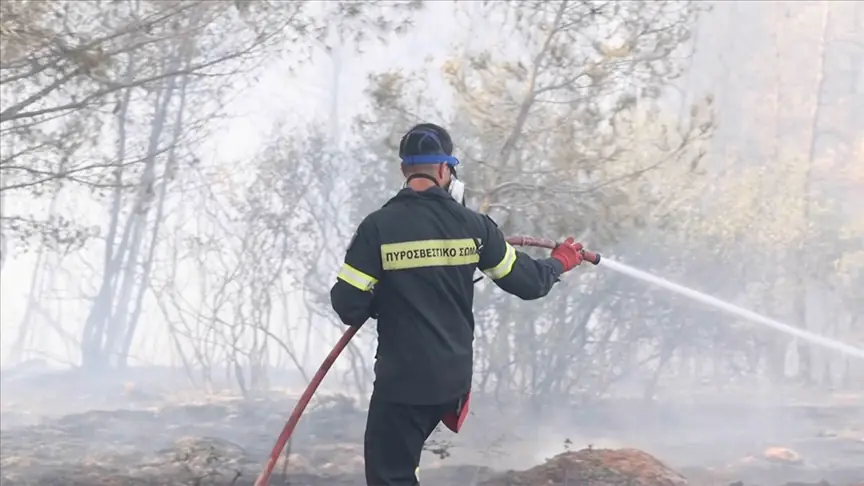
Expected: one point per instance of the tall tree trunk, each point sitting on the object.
(139, 217)
(805, 349)
(92, 334)
(144, 283)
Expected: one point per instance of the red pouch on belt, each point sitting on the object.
(454, 419)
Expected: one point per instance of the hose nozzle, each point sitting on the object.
(591, 257)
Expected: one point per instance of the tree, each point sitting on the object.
(113, 70)
(560, 137)
(788, 187)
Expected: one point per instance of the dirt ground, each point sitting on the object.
(119, 433)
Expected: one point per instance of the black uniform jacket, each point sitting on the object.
(411, 265)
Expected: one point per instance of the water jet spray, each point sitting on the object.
(621, 268)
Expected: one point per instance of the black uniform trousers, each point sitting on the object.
(395, 434)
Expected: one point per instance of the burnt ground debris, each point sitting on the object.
(144, 438)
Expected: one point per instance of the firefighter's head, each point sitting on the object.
(427, 153)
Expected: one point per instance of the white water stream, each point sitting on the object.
(808, 336)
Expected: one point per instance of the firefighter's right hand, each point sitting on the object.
(569, 253)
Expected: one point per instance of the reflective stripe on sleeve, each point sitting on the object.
(505, 266)
(356, 278)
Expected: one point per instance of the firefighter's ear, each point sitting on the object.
(443, 174)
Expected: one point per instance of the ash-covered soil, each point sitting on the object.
(147, 435)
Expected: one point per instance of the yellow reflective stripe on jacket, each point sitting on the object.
(429, 253)
(505, 266)
(356, 278)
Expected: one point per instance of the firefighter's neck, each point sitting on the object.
(421, 182)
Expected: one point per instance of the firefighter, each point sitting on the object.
(410, 265)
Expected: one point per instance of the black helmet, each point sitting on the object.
(427, 143)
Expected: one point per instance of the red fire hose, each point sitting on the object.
(291, 424)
